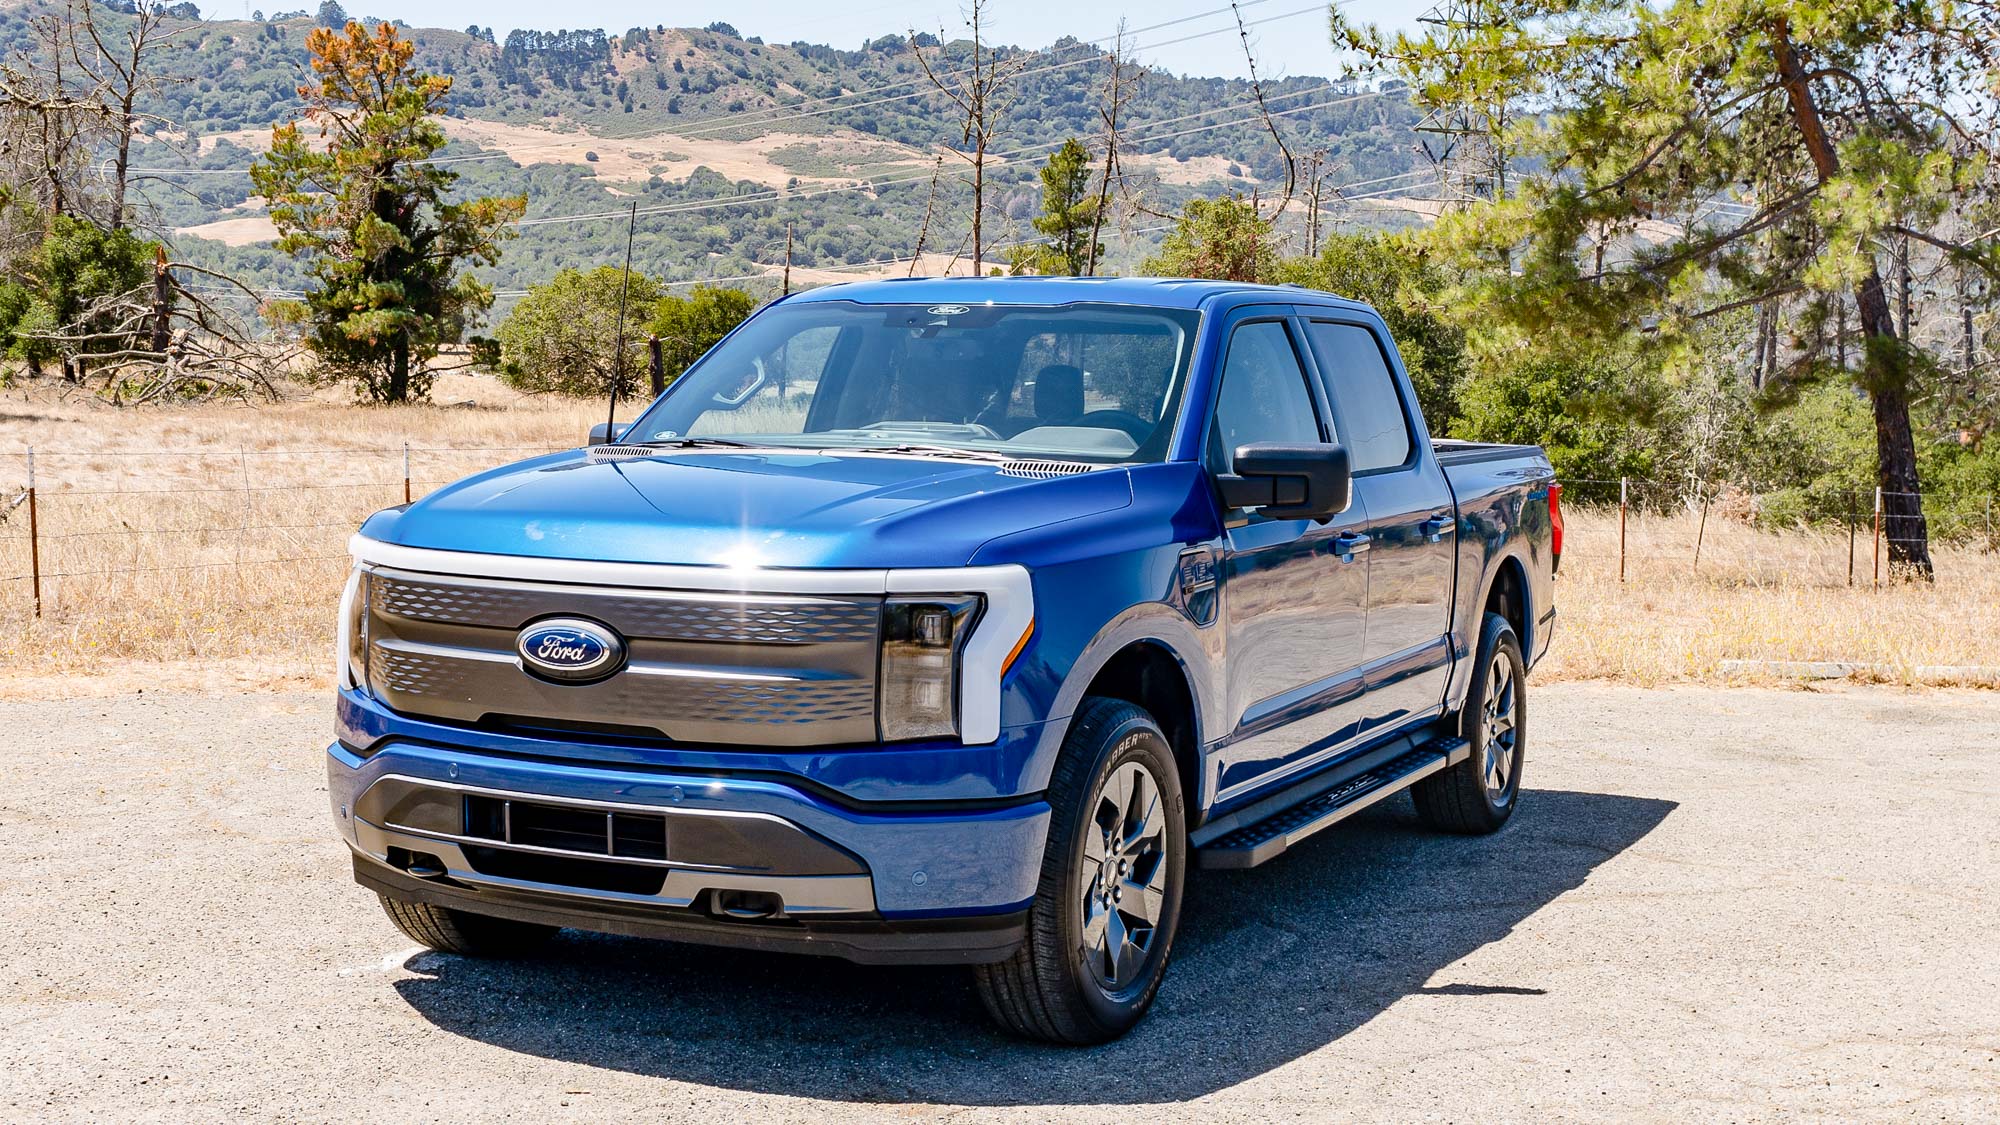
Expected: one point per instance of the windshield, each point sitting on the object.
(1081, 382)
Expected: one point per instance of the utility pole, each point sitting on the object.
(788, 259)
(1466, 153)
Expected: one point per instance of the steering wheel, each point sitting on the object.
(1133, 426)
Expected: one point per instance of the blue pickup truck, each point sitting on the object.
(945, 620)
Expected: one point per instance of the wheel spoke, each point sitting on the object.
(1112, 948)
(1095, 917)
(1117, 796)
(1145, 891)
(1128, 953)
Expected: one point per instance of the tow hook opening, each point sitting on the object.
(422, 865)
(746, 906)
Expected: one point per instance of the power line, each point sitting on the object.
(727, 122)
(775, 194)
(925, 82)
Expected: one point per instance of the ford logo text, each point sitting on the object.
(570, 649)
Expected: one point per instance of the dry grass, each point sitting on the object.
(203, 547)
(1761, 595)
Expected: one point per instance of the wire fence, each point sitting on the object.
(194, 530)
(1868, 523)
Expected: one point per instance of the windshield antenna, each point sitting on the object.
(618, 358)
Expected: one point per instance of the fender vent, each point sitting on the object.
(1043, 470)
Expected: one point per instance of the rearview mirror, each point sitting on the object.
(604, 433)
(1289, 482)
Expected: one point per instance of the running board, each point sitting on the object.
(1268, 838)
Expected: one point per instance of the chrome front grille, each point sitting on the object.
(749, 669)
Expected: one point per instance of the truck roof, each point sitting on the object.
(1155, 292)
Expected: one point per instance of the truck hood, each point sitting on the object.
(800, 508)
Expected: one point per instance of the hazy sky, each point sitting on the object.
(1294, 45)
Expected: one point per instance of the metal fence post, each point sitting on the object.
(1850, 536)
(406, 472)
(1622, 483)
(1701, 530)
(1878, 536)
(34, 537)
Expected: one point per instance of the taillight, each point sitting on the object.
(1556, 520)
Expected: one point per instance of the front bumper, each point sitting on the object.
(746, 861)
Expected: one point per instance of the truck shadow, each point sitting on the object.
(1272, 964)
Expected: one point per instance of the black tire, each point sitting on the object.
(1062, 986)
(471, 935)
(1463, 798)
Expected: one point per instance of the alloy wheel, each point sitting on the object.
(1500, 728)
(1123, 877)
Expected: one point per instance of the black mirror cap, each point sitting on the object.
(604, 433)
(1290, 481)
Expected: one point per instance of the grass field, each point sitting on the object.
(203, 547)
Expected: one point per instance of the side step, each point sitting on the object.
(1268, 838)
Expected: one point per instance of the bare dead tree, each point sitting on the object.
(980, 93)
(1317, 172)
(1264, 110)
(1119, 83)
(50, 118)
(164, 339)
(930, 208)
(118, 64)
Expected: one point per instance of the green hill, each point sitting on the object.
(736, 136)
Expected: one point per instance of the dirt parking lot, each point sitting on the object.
(1714, 904)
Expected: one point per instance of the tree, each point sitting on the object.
(49, 119)
(51, 297)
(979, 92)
(562, 336)
(1701, 157)
(121, 65)
(1122, 79)
(689, 326)
(1222, 239)
(1069, 216)
(384, 243)
(331, 15)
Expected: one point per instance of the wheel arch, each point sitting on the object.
(1155, 659)
(1509, 595)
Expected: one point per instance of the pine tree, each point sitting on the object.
(1068, 218)
(385, 244)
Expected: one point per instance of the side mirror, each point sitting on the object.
(604, 433)
(1289, 481)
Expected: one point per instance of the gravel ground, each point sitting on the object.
(1715, 904)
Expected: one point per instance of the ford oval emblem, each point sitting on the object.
(570, 649)
(947, 310)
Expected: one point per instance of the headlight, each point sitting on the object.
(354, 632)
(921, 641)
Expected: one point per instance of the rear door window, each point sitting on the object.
(1366, 403)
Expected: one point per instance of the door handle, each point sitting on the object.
(1349, 544)
(1435, 527)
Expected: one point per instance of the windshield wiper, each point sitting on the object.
(925, 450)
(694, 443)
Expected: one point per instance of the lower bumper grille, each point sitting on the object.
(616, 834)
